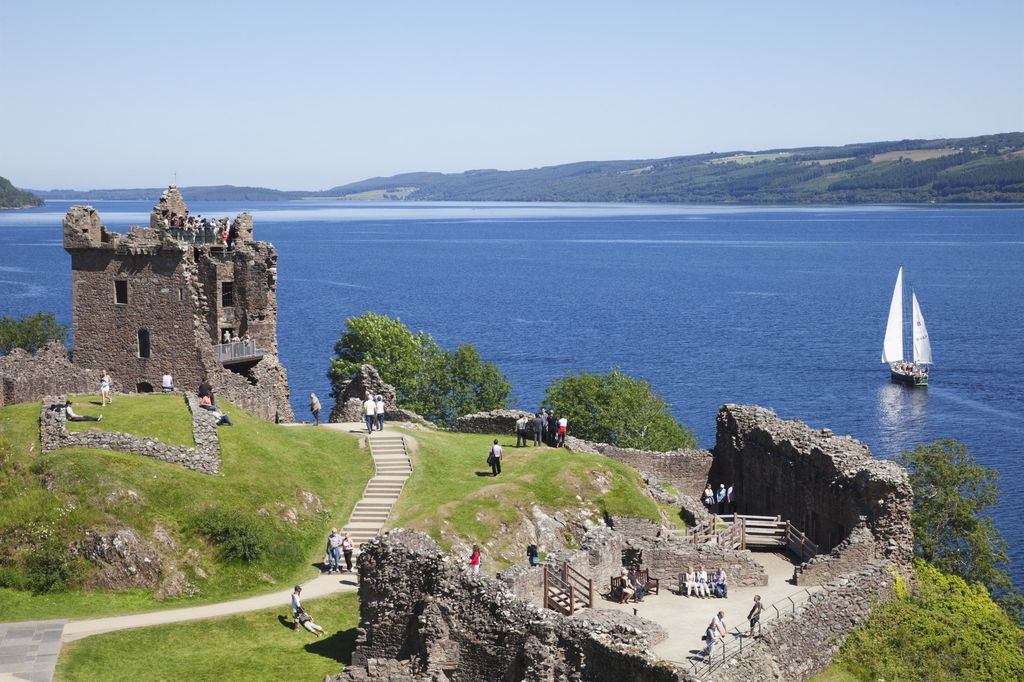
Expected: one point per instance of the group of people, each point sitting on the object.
(716, 630)
(699, 583)
(208, 402)
(373, 411)
(228, 337)
(722, 501)
(105, 383)
(546, 427)
(338, 546)
(632, 586)
(197, 229)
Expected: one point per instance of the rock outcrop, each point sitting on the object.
(366, 382)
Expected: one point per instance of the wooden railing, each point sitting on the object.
(566, 590)
(799, 544)
(744, 531)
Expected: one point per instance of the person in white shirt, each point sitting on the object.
(370, 411)
(167, 385)
(378, 408)
(690, 581)
(563, 424)
(72, 417)
(301, 616)
(702, 583)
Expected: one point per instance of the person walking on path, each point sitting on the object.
(334, 552)
(521, 431)
(378, 409)
(347, 546)
(720, 498)
(494, 458)
(370, 412)
(72, 417)
(711, 637)
(755, 614)
(474, 561)
(105, 389)
(538, 428)
(314, 407)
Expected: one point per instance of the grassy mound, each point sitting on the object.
(163, 417)
(252, 646)
(257, 527)
(452, 496)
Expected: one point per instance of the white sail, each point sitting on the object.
(922, 347)
(892, 348)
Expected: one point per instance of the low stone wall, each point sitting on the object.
(668, 560)
(204, 457)
(686, 470)
(26, 378)
(494, 421)
(798, 645)
(825, 485)
(852, 554)
(423, 618)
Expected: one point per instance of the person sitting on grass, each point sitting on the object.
(301, 616)
(222, 419)
(72, 417)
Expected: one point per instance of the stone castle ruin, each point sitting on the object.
(423, 618)
(163, 299)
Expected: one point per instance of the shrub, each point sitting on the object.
(237, 536)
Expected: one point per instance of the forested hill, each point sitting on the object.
(206, 193)
(12, 197)
(988, 168)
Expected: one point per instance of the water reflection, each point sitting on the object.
(902, 417)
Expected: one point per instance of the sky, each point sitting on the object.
(310, 95)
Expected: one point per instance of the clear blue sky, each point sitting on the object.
(308, 95)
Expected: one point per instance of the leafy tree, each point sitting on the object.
(30, 332)
(951, 493)
(616, 408)
(385, 343)
(439, 384)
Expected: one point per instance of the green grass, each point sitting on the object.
(252, 646)
(50, 499)
(163, 417)
(448, 495)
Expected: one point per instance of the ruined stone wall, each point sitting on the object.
(686, 470)
(25, 378)
(423, 618)
(825, 485)
(493, 421)
(348, 405)
(204, 457)
(798, 645)
(175, 293)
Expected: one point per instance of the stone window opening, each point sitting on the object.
(121, 291)
(227, 294)
(143, 343)
(181, 294)
(143, 387)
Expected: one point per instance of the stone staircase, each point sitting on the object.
(393, 468)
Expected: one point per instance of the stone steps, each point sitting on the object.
(392, 469)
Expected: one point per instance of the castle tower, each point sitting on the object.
(162, 300)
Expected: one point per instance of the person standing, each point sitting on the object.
(334, 552)
(314, 407)
(720, 498)
(538, 428)
(378, 409)
(521, 431)
(709, 499)
(730, 499)
(474, 561)
(755, 614)
(494, 458)
(563, 425)
(711, 637)
(532, 554)
(347, 547)
(105, 389)
(543, 425)
(370, 412)
(552, 438)
(719, 622)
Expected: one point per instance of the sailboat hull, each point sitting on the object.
(907, 379)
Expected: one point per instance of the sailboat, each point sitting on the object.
(914, 373)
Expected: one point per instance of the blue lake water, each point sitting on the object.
(782, 307)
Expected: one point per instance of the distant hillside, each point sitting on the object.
(208, 193)
(12, 197)
(987, 168)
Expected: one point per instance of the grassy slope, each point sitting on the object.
(252, 646)
(264, 466)
(445, 492)
(164, 417)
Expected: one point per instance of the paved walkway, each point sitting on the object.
(686, 618)
(28, 651)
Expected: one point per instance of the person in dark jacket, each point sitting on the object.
(538, 428)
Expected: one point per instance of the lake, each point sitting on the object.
(781, 307)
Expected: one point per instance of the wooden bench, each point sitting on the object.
(651, 585)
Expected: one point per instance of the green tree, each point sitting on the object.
(951, 494)
(616, 408)
(30, 332)
(385, 343)
(436, 383)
